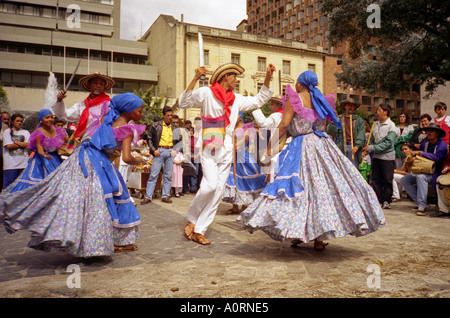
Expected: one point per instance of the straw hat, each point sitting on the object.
(349, 101)
(226, 69)
(276, 98)
(84, 81)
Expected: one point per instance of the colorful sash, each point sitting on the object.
(213, 132)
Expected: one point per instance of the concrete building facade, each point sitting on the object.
(174, 49)
(42, 36)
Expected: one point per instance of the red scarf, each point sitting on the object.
(85, 114)
(227, 98)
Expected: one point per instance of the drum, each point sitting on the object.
(444, 185)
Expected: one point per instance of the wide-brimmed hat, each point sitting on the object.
(349, 101)
(434, 126)
(226, 69)
(84, 81)
(276, 98)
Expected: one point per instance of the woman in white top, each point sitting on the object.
(15, 153)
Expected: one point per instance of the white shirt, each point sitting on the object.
(210, 106)
(405, 131)
(270, 122)
(204, 98)
(17, 158)
(71, 114)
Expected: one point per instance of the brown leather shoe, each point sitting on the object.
(145, 201)
(200, 238)
(189, 229)
(166, 200)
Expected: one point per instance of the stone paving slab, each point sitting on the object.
(412, 254)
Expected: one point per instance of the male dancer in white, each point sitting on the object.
(220, 109)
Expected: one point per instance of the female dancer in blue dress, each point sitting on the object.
(84, 207)
(44, 142)
(246, 182)
(317, 193)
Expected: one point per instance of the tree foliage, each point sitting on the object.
(412, 42)
(4, 103)
(152, 106)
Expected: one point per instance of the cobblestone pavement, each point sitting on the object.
(409, 257)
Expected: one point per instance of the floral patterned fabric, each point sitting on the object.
(323, 197)
(68, 209)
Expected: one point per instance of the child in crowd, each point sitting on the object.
(442, 120)
(177, 174)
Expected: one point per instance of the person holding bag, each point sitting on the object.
(416, 185)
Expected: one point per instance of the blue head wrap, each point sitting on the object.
(42, 114)
(122, 103)
(309, 79)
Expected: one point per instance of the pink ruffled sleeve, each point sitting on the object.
(120, 133)
(309, 114)
(32, 140)
(48, 143)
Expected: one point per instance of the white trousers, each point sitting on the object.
(204, 206)
(397, 186)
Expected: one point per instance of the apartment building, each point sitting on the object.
(303, 21)
(174, 49)
(42, 36)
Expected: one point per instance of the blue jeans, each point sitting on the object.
(348, 154)
(190, 182)
(163, 161)
(9, 176)
(416, 185)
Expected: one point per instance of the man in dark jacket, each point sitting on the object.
(163, 141)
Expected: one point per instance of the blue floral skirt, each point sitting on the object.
(66, 211)
(320, 196)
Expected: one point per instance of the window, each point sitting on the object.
(235, 58)
(312, 67)
(206, 56)
(203, 83)
(366, 100)
(287, 67)
(261, 64)
(237, 88)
